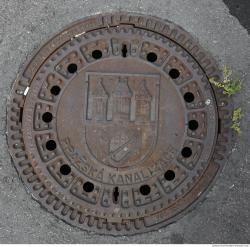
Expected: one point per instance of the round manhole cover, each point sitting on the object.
(113, 125)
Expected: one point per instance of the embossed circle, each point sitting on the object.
(109, 127)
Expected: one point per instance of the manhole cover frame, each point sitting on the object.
(21, 87)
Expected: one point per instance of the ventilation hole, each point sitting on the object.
(174, 73)
(145, 189)
(124, 50)
(65, 170)
(193, 125)
(21, 114)
(186, 152)
(97, 54)
(116, 194)
(151, 57)
(55, 90)
(219, 125)
(47, 117)
(51, 145)
(169, 175)
(88, 187)
(188, 97)
(72, 68)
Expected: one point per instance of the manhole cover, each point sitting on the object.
(113, 125)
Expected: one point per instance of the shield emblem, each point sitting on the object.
(121, 117)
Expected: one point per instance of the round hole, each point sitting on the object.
(188, 97)
(51, 145)
(72, 68)
(55, 90)
(65, 170)
(88, 187)
(47, 117)
(193, 125)
(151, 57)
(174, 73)
(186, 152)
(145, 189)
(97, 54)
(169, 175)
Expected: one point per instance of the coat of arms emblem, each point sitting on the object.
(121, 117)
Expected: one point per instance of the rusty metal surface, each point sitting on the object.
(113, 125)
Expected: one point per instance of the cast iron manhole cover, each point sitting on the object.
(113, 125)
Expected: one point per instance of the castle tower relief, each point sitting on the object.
(121, 100)
(143, 102)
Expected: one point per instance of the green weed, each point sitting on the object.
(236, 119)
(230, 86)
